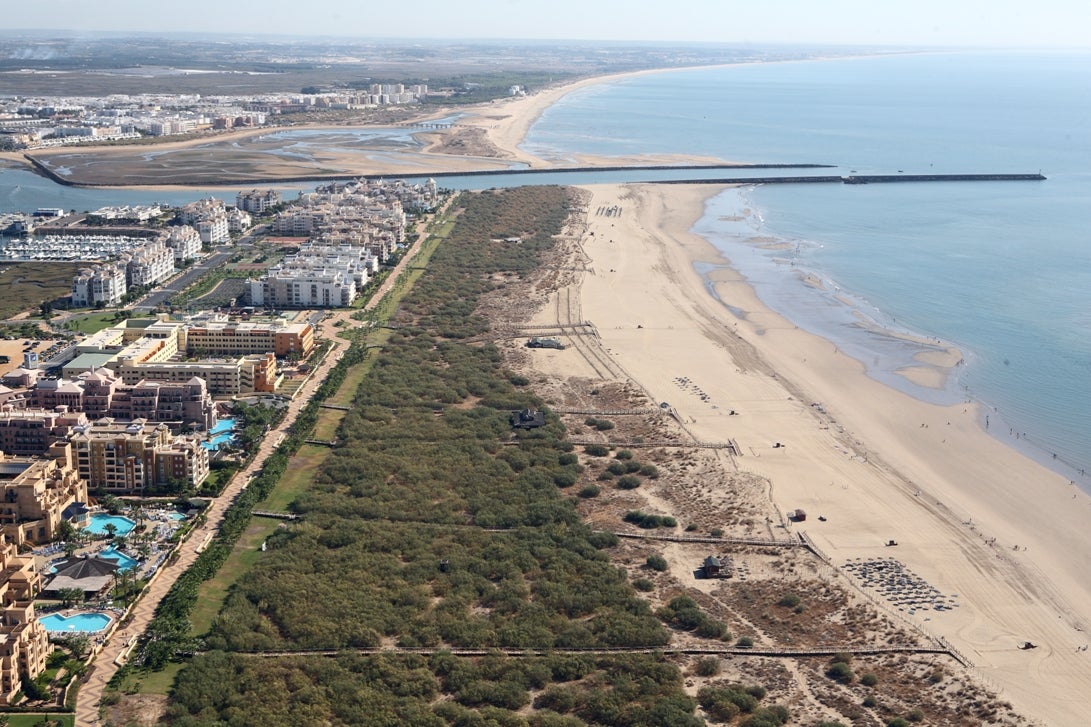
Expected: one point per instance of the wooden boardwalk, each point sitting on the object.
(769, 652)
(612, 412)
(730, 445)
(275, 515)
(762, 542)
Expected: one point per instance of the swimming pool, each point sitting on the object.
(176, 516)
(222, 433)
(99, 521)
(123, 561)
(226, 424)
(83, 622)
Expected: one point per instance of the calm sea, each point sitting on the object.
(1000, 269)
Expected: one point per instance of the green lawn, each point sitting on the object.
(93, 322)
(297, 479)
(152, 682)
(328, 422)
(356, 374)
(213, 592)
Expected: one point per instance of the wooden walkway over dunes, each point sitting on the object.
(612, 412)
(770, 652)
(730, 445)
(275, 515)
(762, 542)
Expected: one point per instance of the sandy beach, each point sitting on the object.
(1003, 537)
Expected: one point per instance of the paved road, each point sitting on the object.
(105, 664)
(153, 300)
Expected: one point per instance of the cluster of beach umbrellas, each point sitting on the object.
(899, 585)
(684, 383)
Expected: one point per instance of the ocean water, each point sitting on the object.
(1002, 270)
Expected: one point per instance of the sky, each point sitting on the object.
(992, 23)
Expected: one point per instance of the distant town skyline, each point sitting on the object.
(974, 23)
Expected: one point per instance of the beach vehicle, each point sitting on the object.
(545, 343)
(527, 419)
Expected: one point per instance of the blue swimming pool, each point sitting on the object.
(226, 424)
(222, 433)
(99, 521)
(176, 516)
(84, 622)
(123, 561)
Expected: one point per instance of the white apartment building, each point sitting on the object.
(104, 284)
(303, 288)
(214, 229)
(150, 264)
(202, 208)
(238, 220)
(257, 201)
(185, 241)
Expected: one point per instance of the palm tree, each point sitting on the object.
(110, 529)
(70, 596)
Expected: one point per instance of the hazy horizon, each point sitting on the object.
(927, 23)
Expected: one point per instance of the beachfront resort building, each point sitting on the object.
(34, 431)
(56, 403)
(219, 334)
(155, 359)
(318, 276)
(24, 643)
(136, 458)
(38, 493)
(252, 373)
(181, 403)
(302, 288)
